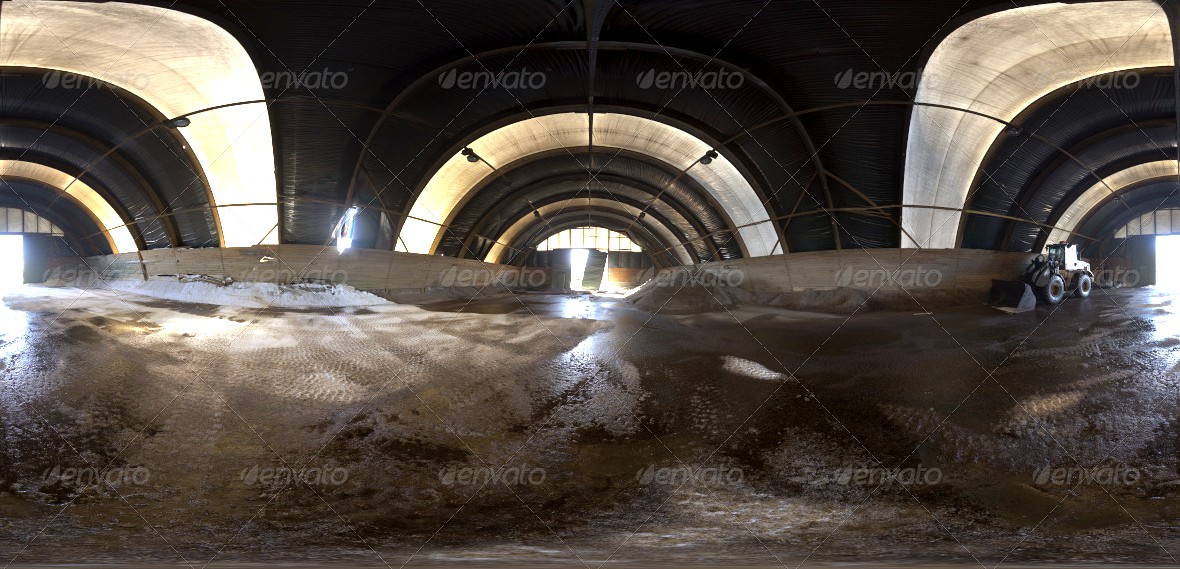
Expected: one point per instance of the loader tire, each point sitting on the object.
(1054, 291)
(1085, 286)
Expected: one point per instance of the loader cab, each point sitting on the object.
(1066, 257)
(1056, 253)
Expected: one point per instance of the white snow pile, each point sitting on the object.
(751, 369)
(252, 295)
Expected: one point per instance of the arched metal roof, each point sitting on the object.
(451, 185)
(656, 188)
(92, 135)
(112, 227)
(809, 105)
(179, 65)
(1092, 141)
(998, 65)
(83, 233)
(590, 207)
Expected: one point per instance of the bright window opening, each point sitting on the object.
(1162, 222)
(12, 262)
(589, 238)
(1167, 262)
(345, 230)
(20, 221)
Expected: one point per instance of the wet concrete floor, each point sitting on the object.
(578, 430)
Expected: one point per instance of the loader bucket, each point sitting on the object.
(1012, 296)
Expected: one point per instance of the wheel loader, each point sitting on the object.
(1049, 278)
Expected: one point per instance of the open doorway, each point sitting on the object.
(1167, 262)
(578, 259)
(12, 262)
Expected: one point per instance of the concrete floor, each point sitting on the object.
(757, 436)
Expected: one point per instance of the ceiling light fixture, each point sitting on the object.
(709, 157)
(178, 122)
(471, 155)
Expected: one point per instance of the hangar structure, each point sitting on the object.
(581, 282)
(140, 126)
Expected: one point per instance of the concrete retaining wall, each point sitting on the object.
(836, 281)
(402, 274)
(890, 269)
(375, 271)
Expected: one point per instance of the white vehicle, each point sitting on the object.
(1058, 273)
(1051, 277)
